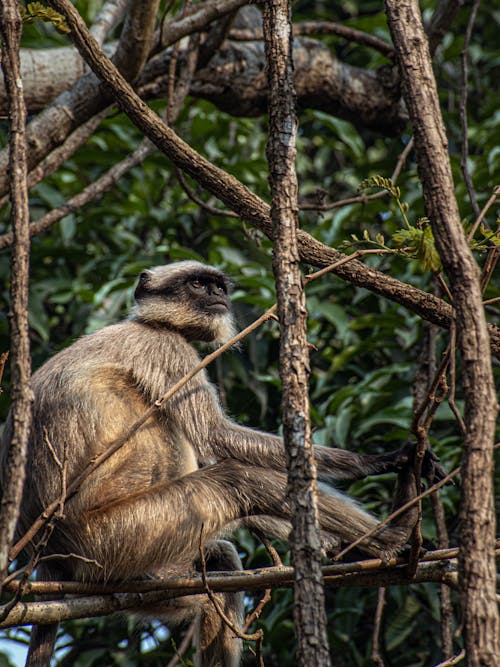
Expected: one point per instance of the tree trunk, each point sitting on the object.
(20, 359)
(309, 607)
(477, 544)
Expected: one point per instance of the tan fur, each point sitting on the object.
(188, 469)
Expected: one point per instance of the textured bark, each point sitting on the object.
(102, 599)
(85, 99)
(235, 81)
(10, 30)
(136, 38)
(239, 198)
(477, 552)
(309, 604)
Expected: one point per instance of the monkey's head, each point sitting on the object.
(189, 297)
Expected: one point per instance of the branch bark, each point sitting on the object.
(87, 97)
(102, 599)
(477, 554)
(309, 600)
(239, 198)
(10, 30)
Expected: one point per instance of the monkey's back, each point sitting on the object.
(85, 397)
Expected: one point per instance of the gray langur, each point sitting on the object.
(188, 469)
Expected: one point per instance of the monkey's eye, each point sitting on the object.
(197, 284)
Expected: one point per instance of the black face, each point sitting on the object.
(208, 292)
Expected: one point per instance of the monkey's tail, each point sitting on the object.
(42, 641)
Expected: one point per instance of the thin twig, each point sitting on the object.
(321, 28)
(397, 512)
(91, 192)
(403, 508)
(255, 614)
(444, 287)
(452, 661)
(381, 601)
(60, 154)
(489, 267)
(213, 210)
(187, 640)
(446, 609)
(362, 199)
(451, 395)
(3, 360)
(484, 211)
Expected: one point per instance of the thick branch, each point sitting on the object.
(10, 32)
(309, 602)
(234, 81)
(110, 14)
(240, 199)
(366, 573)
(477, 555)
(136, 38)
(87, 96)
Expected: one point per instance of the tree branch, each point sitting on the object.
(477, 557)
(305, 542)
(10, 31)
(109, 598)
(239, 198)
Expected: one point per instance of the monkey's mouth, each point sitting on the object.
(219, 307)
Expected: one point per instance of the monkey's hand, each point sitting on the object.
(432, 470)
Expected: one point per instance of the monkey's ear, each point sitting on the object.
(142, 285)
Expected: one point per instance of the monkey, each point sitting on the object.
(189, 470)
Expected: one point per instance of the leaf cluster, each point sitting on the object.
(35, 11)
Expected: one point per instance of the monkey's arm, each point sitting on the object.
(255, 446)
(214, 435)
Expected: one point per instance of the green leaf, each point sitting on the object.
(421, 244)
(37, 12)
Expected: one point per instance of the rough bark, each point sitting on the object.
(235, 82)
(84, 600)
(136, 38)
(309, 602)
(239, 198)
(477, 552)
(10, 30)
(85, 99)
(111, 13)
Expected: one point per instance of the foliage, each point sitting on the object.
(36, 11)
(83, 272)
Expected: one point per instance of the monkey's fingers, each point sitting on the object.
(432, 470)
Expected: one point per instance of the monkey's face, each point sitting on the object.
(187, 296)
(209, 294)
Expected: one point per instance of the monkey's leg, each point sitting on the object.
(43, 637)
(214, 641)
(167, 519)
(42, 641)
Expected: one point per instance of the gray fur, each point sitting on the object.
(188, 469)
